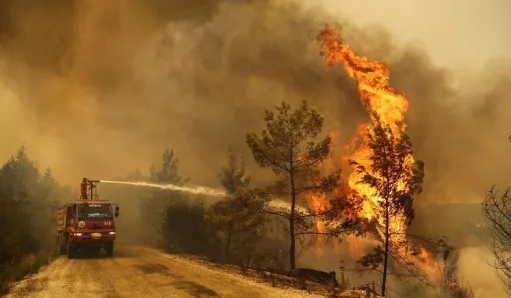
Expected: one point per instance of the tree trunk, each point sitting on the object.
(386, 251)
(292, 247)
(228, 244)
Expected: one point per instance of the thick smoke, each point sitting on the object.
(103, 88)
(99, 88)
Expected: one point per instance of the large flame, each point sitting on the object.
(380, 99)
(390, 106)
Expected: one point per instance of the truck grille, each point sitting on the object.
(98, 227)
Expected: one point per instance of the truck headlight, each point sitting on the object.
(112, 233)
(78, 234)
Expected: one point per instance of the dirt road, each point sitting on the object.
(137, 271)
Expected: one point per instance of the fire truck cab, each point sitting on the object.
(86, 224)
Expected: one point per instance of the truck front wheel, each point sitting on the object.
(109, 248)
(71, 252)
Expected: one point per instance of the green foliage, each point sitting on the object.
(27, 203)
(178, 218)
(168, 171)
(388, 171)
(154, 206)
(232, 176)
(185, 230)
(288, 147)
(27, 200)
(237, 217)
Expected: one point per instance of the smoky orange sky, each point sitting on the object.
(461, 34)
(100, 88)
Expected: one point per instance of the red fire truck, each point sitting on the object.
(87, 224)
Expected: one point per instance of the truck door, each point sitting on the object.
(70, 214)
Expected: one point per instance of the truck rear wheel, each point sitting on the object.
(60, 245)
(62, 249)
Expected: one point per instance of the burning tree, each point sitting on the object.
(391, 182)
(237, 217)
(385, 175)
(287, 147)
(496, 210)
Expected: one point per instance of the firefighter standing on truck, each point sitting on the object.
(83, 189)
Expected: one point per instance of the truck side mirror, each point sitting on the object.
(116, 211)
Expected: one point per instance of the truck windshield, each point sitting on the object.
(94, 211)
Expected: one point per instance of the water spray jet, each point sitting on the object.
(202, 190)
(193, 190)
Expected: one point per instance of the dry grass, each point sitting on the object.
(28, 265)
(281, 280)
